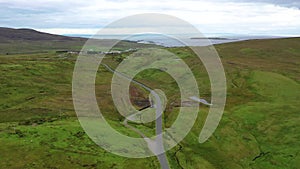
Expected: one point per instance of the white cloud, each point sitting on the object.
(82, 16)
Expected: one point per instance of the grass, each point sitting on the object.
(259, 128)
(59, 144)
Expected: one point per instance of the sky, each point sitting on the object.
(245, 17)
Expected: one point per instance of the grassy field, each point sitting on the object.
(260, 127)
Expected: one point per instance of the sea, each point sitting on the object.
(170, 41)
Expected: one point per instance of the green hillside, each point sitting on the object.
(260, 127)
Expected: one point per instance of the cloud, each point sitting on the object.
(285, 3)
(226, 16)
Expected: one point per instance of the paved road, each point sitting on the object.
(154, 145)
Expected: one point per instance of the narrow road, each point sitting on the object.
(158, 142)
(154, 145)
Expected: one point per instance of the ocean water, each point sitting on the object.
(170, 41)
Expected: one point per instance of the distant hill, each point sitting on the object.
(16, 41)
(13, 41)
(30, 34)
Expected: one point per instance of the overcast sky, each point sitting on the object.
(255, 17)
